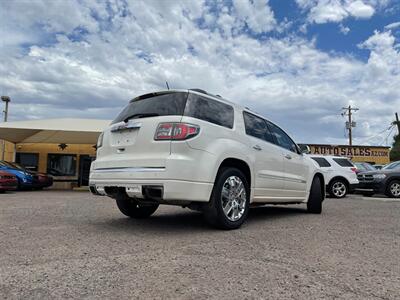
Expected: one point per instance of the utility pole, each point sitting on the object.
(397, 122)
(348, 111)
(7, 100)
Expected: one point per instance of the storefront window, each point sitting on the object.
(28, 160)
(61, 164)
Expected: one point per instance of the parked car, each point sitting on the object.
(25, 179)
(8, 182)
(392, 166)
(364, 167)
(385, 181)
(340, 174)
(378, 167)
(197, 150)
(40, 180)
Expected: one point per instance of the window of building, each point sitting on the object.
(322, 162)
(282, 139)
(343, 162)
(257, 127)
(209, 110)
(61, 164)
(28, 160)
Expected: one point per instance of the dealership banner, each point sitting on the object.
(373, 154)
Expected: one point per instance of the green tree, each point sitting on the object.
(395, 152)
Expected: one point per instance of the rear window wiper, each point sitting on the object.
(138, 116)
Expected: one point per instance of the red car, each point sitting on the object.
(8, 182)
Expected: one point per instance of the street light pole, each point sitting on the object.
(7, 100)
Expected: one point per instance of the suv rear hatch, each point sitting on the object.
(129, 141)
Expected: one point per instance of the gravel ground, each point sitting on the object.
(74, 245)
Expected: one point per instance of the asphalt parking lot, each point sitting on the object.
(75, 245)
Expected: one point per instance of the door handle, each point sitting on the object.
(257, 147)
(288, 156)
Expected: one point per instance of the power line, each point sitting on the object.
(386, 138)
(376, 135)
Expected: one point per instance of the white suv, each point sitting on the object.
(196, 150)
(340, 174)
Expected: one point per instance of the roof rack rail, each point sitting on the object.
(199, 90)
(204, 92)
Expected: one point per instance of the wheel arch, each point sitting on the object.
(236, 163)
(389, 182)
(346, 181)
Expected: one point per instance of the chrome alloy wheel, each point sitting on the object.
(233, 198)
(339, 189)
(395, 189)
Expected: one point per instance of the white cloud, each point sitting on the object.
(327, 11)
(359, 9)
(344, 29)
(134, 49)
(393, 25)
(256, 14)
(324, 11)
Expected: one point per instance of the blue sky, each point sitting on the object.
(295, 61)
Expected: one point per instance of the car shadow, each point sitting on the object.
(188, 221)
(273, 212)
(171, 222)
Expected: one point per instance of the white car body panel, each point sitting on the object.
(335, 170)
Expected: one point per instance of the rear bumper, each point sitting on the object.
(137, 181)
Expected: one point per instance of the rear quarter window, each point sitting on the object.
(343, 162)
(209, 110)
(322, 162)
(257, 127)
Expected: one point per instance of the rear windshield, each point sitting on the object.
(367, 167)
(343, 162)
(178, 104)
(322, 162)
(170, 104)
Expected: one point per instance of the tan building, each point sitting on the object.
(63, 148)
(371, 154)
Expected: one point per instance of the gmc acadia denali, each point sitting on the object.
(197, 150)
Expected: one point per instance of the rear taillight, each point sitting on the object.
(176, 131)
(355, 170)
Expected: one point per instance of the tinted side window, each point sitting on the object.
(209, 110)
(343, 162)
(282, 138)
(257, 127)
(322, 162)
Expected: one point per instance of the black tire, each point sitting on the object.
(389, 192)
(214, 212)
(131, 208)
(314, 203)
(367, 194)
(340, 182)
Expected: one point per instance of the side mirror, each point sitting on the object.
(305, 149)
